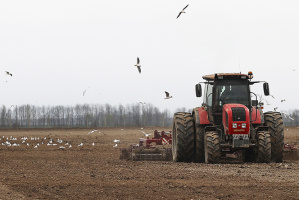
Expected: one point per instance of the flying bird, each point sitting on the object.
(275, 108)
(8, 73)
(138, 65)
(142, 103)
(167, 95)
(283, 100)
(146, 134)
(183, 11)
(85, 91)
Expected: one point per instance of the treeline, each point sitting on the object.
(83, 115)
(97, 115)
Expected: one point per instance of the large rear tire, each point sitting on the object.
(264, 147)
(183, 137)
(276, 129)
(212, 147)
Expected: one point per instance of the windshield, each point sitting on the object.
(232, 92)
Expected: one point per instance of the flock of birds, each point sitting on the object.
(37, 142)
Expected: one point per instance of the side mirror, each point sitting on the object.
(266, 89)
(198, 90)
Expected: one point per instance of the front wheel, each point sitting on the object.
(212, 147)
(264, 147)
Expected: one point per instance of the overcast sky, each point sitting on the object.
(57, 49)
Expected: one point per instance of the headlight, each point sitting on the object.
(243, 125)
(234, 125)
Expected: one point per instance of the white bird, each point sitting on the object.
(80, 145)
(167, 95)
(146, 134)
(67, 144)
(116, 141)
(27, 144)
(92, 144)
(286, 115)
(61, 147)
(138, 65)
(35, 146)
(70, 146)
(183, 11)
(115, 146)
(59, 141)
(91, 131)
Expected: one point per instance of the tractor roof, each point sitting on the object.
(226, 75)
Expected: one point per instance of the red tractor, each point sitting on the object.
(229, 123)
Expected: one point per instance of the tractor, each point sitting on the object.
(229, 123)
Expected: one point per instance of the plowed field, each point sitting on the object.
(37, 169)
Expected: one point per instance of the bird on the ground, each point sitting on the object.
(80, 145)
(115, 145)
(91, 131)
(183, 11)
(8, 73)
(61, 147)
(116, 141)
(92, 144)
(70, 146)
(167, 95)
(138, 65)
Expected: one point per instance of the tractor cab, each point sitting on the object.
(226, 88)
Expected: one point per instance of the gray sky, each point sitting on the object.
(57, 49)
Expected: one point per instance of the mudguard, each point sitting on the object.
(201, 116)
(255, 116)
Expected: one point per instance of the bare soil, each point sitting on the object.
(96, 172)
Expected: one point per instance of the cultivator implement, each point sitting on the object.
(157, 148)
(290, 152)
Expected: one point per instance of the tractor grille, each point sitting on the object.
(239, 114)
